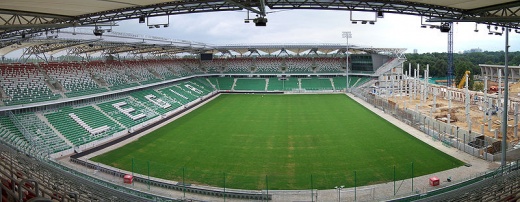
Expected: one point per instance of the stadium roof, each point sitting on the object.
(32, 16)
(117, 43)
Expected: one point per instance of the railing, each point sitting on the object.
(493, 182)
(462, 140)
(60, 182)
(470, 142)
(36, 147)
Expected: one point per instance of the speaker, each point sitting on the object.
(445, 27)
(260, 21)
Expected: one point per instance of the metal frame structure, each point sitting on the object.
(116, 43)
(14, 23)
(450, 72)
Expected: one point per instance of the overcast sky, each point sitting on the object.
(315, 26)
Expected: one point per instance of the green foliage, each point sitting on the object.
(478, 86)
(439, 61)
(285, 137)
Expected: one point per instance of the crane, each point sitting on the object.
(463, 80)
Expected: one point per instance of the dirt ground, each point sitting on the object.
(458, 116)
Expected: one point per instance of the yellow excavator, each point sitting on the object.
(463, 80)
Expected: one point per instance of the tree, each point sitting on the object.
(478, 86)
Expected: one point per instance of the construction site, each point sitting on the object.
(466, 119)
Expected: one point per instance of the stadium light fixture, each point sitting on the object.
(347, 35)
(141, 19)
(496, 32)
(365, 19)
(158, 25)
(425, 23)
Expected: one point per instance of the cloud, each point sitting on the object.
(319, 26)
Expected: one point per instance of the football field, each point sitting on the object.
(280, 142)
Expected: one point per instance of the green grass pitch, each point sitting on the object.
(280, 142)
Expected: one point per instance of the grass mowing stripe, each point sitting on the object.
(287, 137)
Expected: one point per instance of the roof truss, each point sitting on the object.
(15, 23)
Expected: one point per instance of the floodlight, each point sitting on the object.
(166, 25)
(371, 22)
(150, 27)
(364, 22)
(423, 26)
(157, 26)
(141, 19)
(354, 22)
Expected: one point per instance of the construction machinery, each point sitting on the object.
(463, 79)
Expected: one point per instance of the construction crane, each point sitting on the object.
(463, 80)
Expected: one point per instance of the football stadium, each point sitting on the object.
(88, 113)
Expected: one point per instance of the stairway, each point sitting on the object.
(234, 83)
(99, 109)
(42, 117)
(389, 66)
